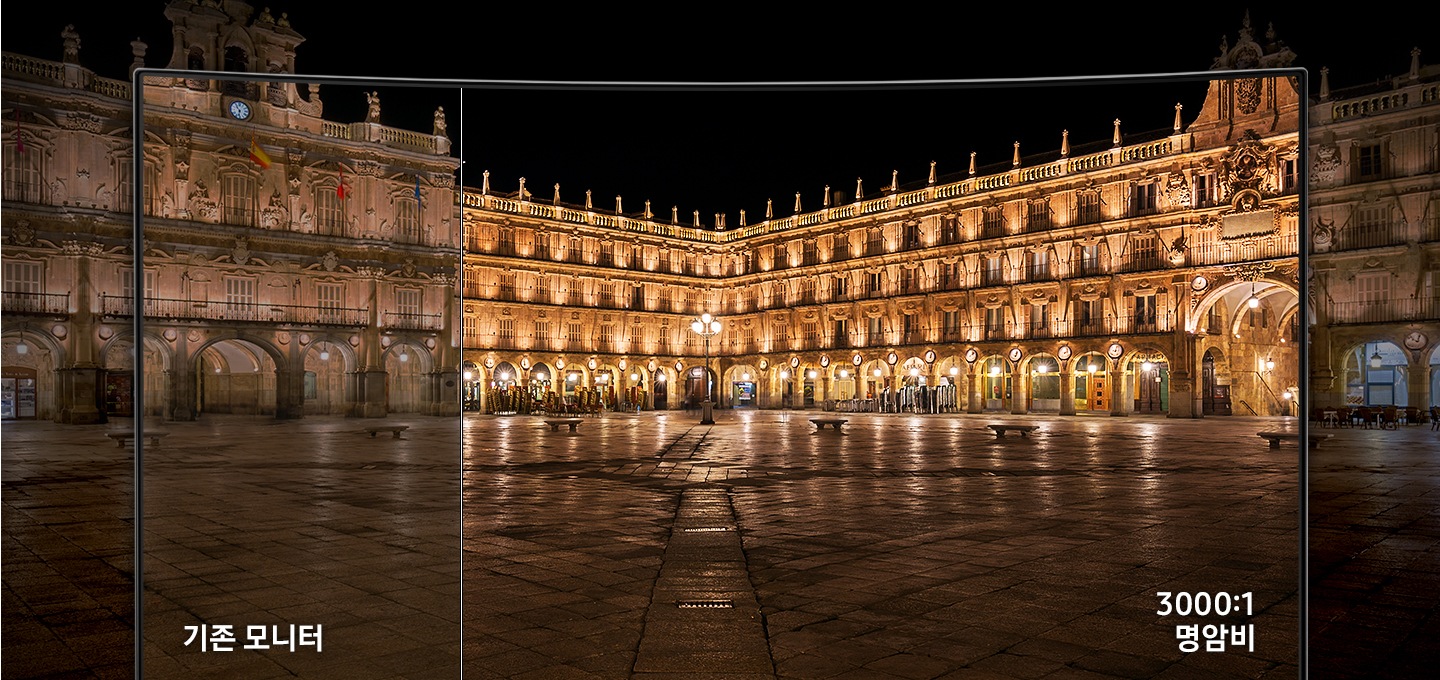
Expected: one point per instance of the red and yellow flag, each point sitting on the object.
(340, 189)
(258, 155)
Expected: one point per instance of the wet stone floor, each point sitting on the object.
(648, 546)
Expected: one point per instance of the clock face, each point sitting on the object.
(970, 355)
(1199, 283)
(763, 365)
(892, 358)
(1015, 354)
(1416, 340)
(929, 356)
(824, 361)
(1115, 351)
(1064, 352)
(240, 110)
(857, 360)
(794, 362)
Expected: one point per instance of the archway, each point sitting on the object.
(472, 393)
(405, 366)
(660, 385)
(844, 381)
(235, 376)
(1377, 374)
(696, 380)
(1044, 374)
(27, 376)
(1151, 373)
(995, 382)
(1215, 383)
(118, 389)
(742, 382)
(327, 365)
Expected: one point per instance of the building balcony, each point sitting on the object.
(43, 304)
(257, 312)
(1385, 311)
(412, 321)
(1371, 236)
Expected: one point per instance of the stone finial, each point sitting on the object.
(697, 219)
(742, 218)
(674, 214)
(137, 49)
(972, 163)
(71, 41)
(618, 208)
(1415, 63)
(1064, 143)
(1324, 83)
(556, 199)
(1015, 159)
(1116, 138)
(932, 172)
(485, 183)
(589, 201)
(372, 100)
(769, 208)
(521, 194)
(439, 130)
(1178, 106)
(859, 189)
(1245, 28)
(797, 203)
(825, 202)
(894, 180)
(648, 214)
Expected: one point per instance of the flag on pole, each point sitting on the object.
(258, 155)
(417, 189)
(19, 141)
(340, 190)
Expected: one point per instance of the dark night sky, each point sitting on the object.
(730, 150)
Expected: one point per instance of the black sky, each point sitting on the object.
(726, 151)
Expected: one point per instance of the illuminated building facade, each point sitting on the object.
(267, 289)
(1154, 273)
(1375, 208)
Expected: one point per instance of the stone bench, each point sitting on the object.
(1275, 438)
(555, 424)
(392, 429)
(820, 423)
(121, 438)
(1024, 430)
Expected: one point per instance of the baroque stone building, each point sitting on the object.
(1153, 273)
(267, 289)
(1375, 207)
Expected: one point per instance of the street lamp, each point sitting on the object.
(706, 326)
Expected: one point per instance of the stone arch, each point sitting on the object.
(236, 374)
(37, 366)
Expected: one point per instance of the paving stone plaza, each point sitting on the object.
(648, 546)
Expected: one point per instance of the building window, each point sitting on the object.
(25, 277)
(1214, 323)
(994, 323)
(505, 286)
(407, 301)
(23, 182)
(911, 328)
(1088, 317)
(1143, 200)
(1372, 292)
(124, 185)
(1039, 321)
(841, 335)
(875, 243)
(506, 333)
(1037, 216)
(329, 212)
(607, 337)
(407, 221)
(239, 295)
(1087, 260)
(840, 248)
(237, 198)
(637, 257)
(994, 272)
(1145, 314)
(327, 298)
(910, 281)
(607, 295)
(811, 253)
(1039, 267)
(472, 330)
(782, 336)
(1144, 253)
(607, 254)
(950, 278)
(1370, 162)
(876, 335)
(1087, 207)
(1204, 190)
(912, 235)
(576, 336)
(951, 325)
(994, 225)
(840, 287)
(1288, 176)
(812, 335)
(876, 282)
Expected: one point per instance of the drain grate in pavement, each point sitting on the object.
(705, 604)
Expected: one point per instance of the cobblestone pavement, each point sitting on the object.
(649, 546)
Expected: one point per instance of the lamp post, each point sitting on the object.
(706, 326)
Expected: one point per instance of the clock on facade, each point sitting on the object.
(825, 361)
(857, 360)
(1199, 283)
(1115, 350)
(892, 358)
(1064, 352)
(239, 110)
(763, 364)
(1416, 340)
(970, 355)
(1015, 354)
(929, 356)
(794, 362)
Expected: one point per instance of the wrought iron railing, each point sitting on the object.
(259, 312)
(17, 302)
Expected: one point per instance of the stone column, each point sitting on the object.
(1184, 396)
(448, 354)
(977, 401)
(371, 380)
(1067, 393)
(1119, 389)
(80, 380)
(182, 380)
(1419, 379)
(1019, 391)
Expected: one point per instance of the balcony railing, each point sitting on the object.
(1371, 236)
(178, 309)
(36, 303)
(412, 321)
(1385, 311)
